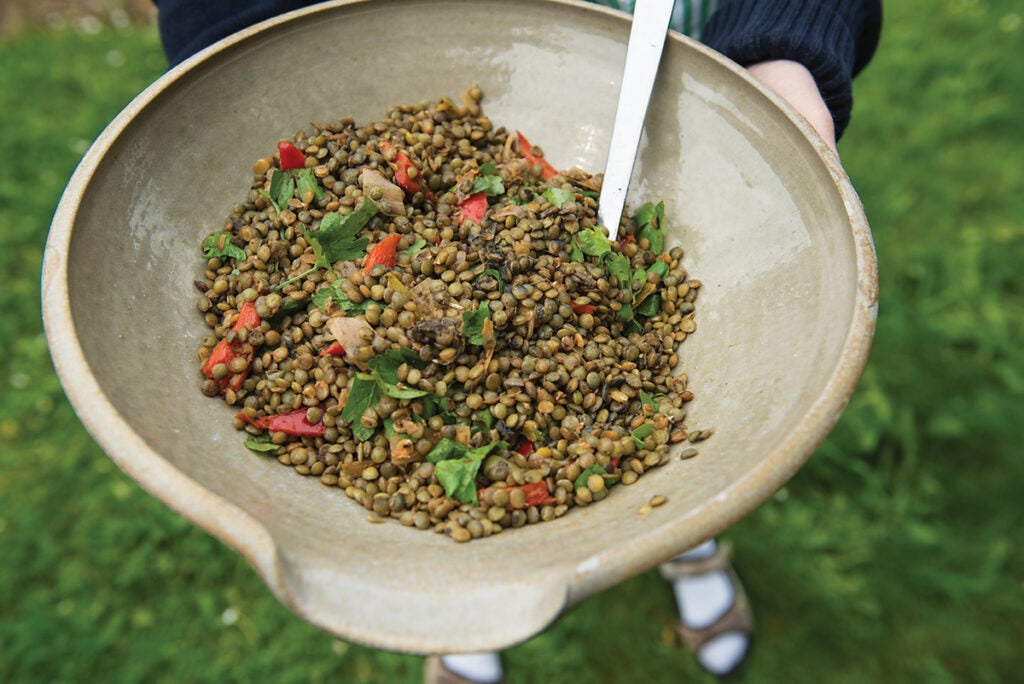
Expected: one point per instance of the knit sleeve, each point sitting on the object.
(834, 39)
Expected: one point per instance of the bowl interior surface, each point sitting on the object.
(769, 223)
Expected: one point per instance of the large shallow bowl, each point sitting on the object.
(770, 223)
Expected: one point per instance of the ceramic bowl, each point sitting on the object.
(769, 221)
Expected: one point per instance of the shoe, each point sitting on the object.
(436, 673)
(737, 620)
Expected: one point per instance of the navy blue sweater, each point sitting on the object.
(834, 39)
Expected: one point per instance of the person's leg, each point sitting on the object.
(467, 668)
(715, 622)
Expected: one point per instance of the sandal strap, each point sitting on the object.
(737, 619)
(720, 560)
(436, 673)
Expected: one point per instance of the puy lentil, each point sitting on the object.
(520, 350)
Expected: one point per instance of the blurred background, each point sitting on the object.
(895, 555)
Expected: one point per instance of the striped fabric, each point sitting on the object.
(688, 16)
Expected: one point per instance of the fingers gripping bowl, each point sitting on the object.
(766, 216)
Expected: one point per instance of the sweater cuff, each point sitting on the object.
(834, 40)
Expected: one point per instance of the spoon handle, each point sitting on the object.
(643, 53)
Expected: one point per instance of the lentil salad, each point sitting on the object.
(423, 312)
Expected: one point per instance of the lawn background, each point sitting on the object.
(893, 556)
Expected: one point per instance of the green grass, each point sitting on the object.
(892, 556)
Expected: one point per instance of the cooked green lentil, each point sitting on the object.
(504, 351)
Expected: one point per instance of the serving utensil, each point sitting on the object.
(643, 55)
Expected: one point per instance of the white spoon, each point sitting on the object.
(643, 54)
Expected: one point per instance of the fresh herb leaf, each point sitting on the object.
(496, 274)
(593, 242)
(642, 433)
(401, 392)
(458, 477)
(219, 245)
(307, 180)
(330, 291)
(282, 189)
(647, 400)
(364, 394)
(485, 420)
(456, 467)
(618, 267)
(445, 449)
(595, 469)
(575, 252)
(650, 306)
(488, 169)
(660, 267)
(416, 246)
(473, 323)
(626, 312)
(385, 365)
(489, 185)
(651, 220)
(262, 444)
(556, 197)
(338, 234)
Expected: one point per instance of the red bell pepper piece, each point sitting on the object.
(526, 149)
(247, 317)
(291, 156)
(525, 447)
(384, 252)
(582, 308)
(334, 350)
(401, 166)
(226, 352)
(473, 207)
(536, 494)
(293, 423)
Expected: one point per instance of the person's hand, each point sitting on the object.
(795, 84)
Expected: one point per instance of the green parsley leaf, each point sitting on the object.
(457, 465)
(647, 400)
(282, 189)
(642, 433)
(416, 246)
(490, 185)
(556, 197)
(262, 444)
(399, 392)
(650, 306)
(458, 477)
(330, 291)
(651, 220)
(212, 248)
(659, 267)
(385, 365)
(307, 180)
(575, 252)
(364, 394)
(618, 267)
(595, 469)
(338, 234)
(473, 323)
(445, 449)
(488, 169)
(593, 242)
(496, 274)
(484, 420)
